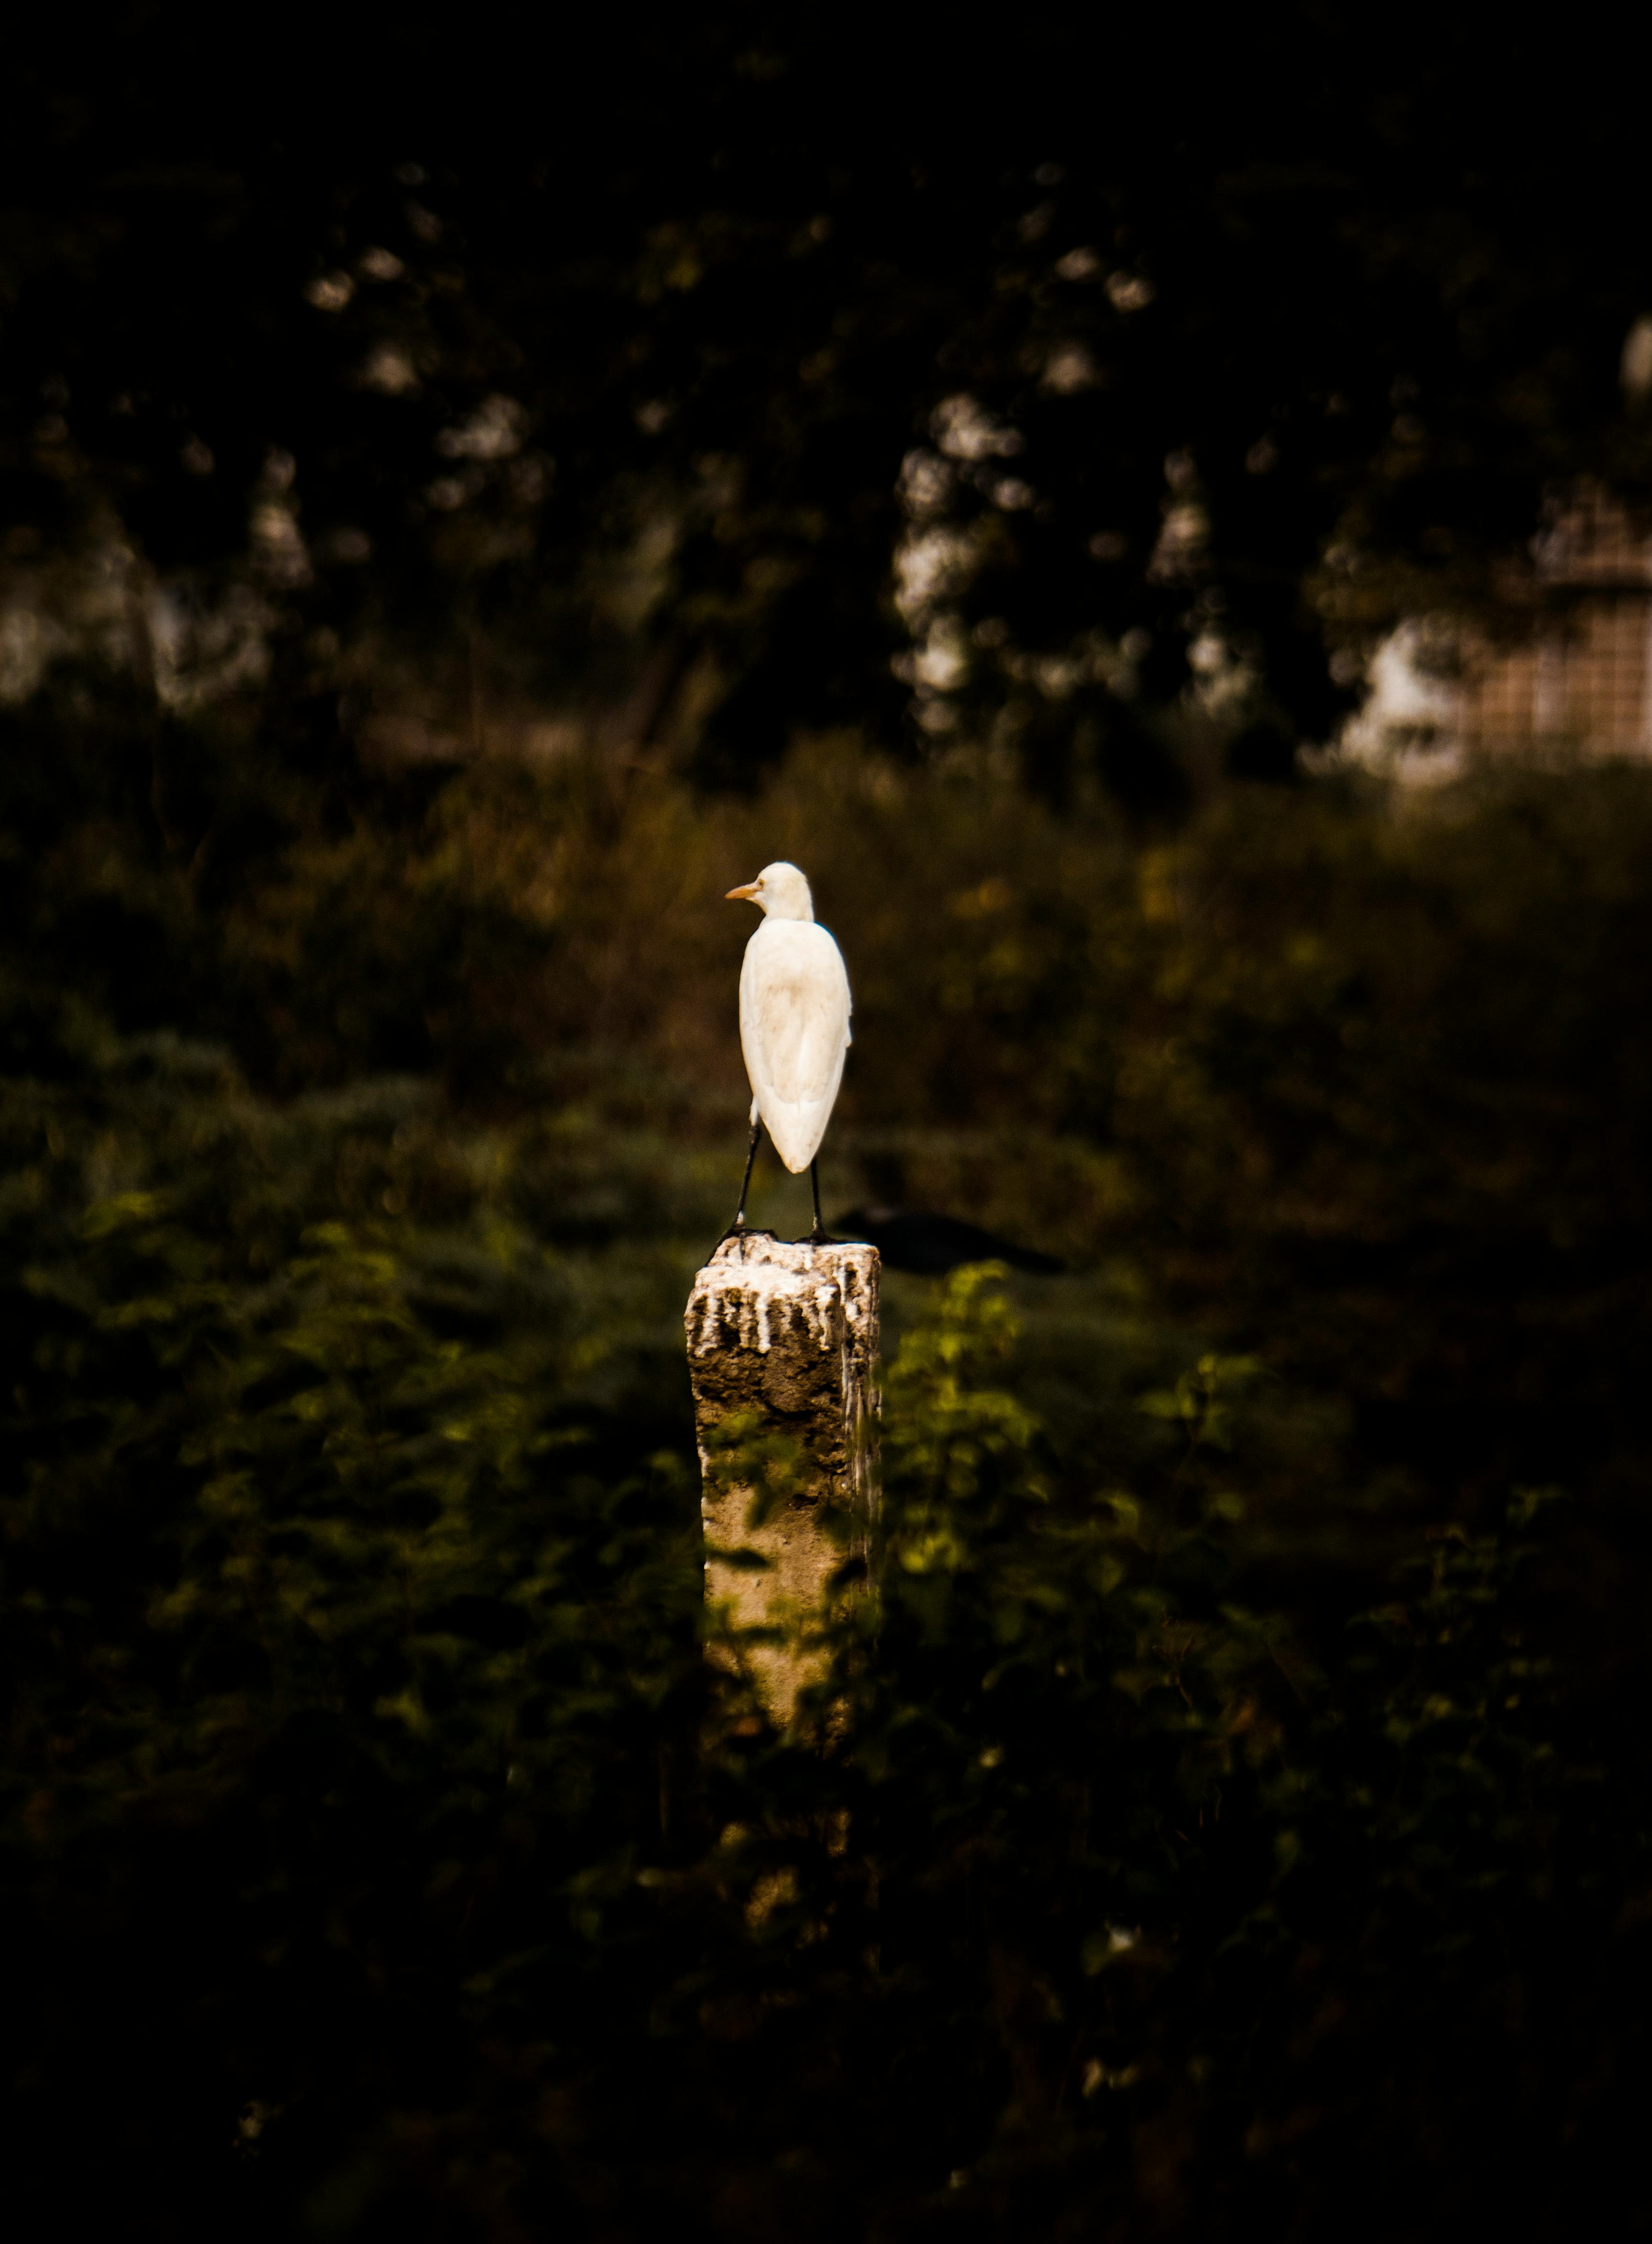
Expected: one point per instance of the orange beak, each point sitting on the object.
(741, 896)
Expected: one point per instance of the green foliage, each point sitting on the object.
(1230, 1815)
(345, 1635)
(1116, 1900)
(352, 1778)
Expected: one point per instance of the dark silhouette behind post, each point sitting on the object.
(929, 1245)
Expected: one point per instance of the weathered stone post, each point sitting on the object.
(783, 1341)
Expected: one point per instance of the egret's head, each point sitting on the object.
(781, 890)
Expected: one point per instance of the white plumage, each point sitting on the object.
(794, 1016)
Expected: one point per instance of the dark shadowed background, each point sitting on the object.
(468, 494)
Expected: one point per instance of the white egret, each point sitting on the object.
(794, 1026)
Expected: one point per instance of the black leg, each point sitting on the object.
(819, 1232)
(745, 1181)
(737, 1229)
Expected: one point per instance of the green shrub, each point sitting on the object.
(1236, 1824)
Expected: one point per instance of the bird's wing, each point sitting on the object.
(794, 1030)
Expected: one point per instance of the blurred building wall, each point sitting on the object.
(1587, 682)
(1578, 684)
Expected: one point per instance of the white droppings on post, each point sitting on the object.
(753, 1287)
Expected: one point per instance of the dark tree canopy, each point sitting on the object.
(604, 349)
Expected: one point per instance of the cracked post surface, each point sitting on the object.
(782, 1339)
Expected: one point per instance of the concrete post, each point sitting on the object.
(782, 1354)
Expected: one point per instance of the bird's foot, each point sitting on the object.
(738, 1230)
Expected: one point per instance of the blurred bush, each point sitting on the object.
(1238, 1823)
